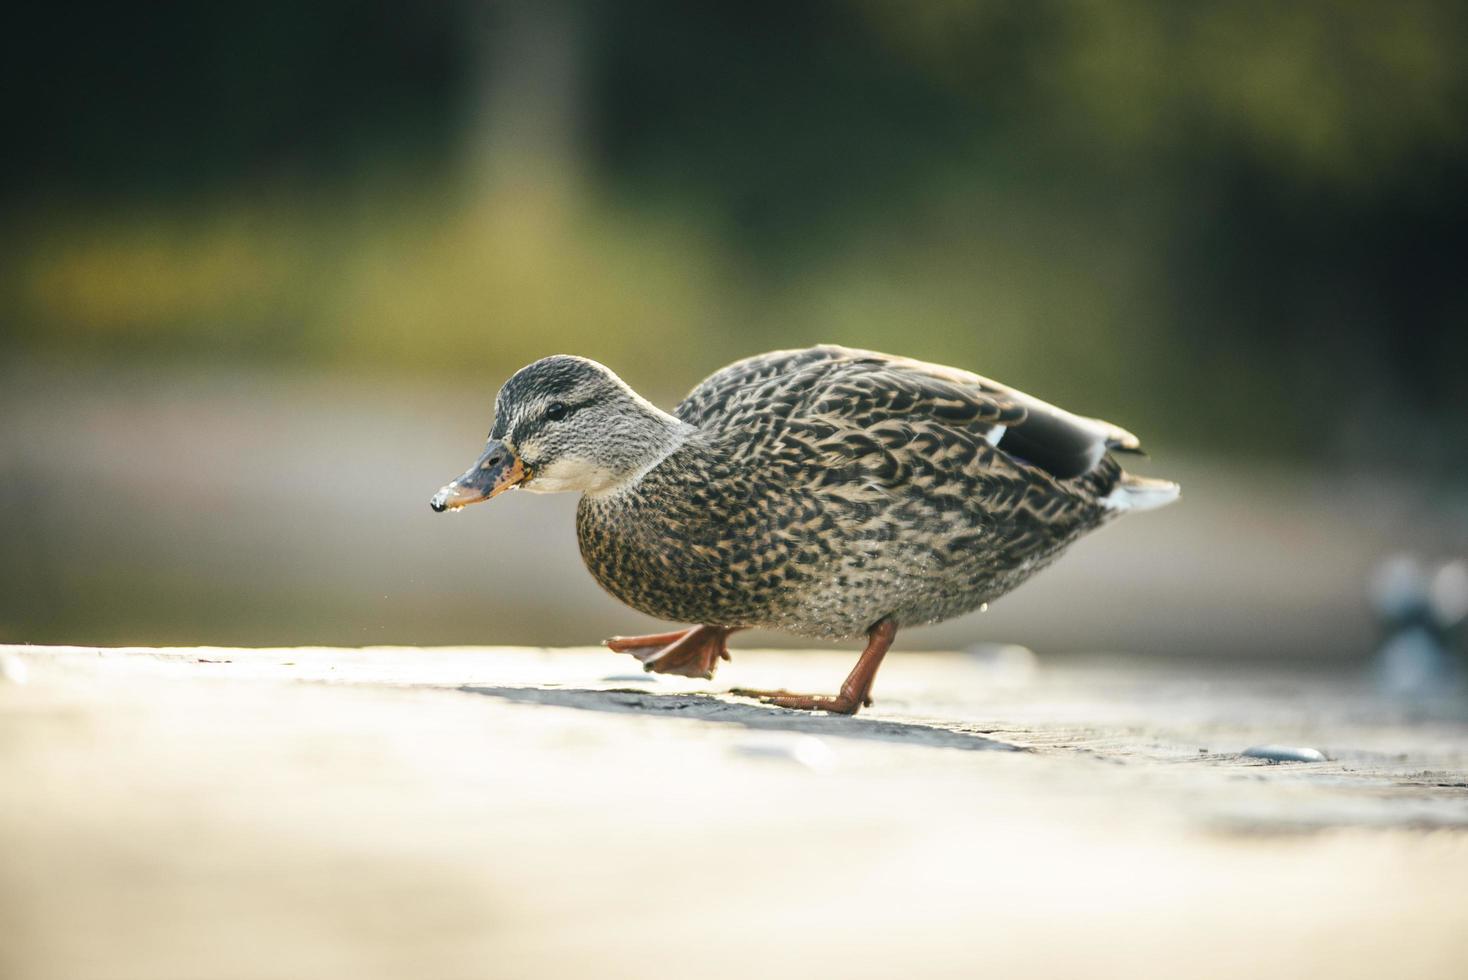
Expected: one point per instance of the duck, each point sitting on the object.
(823, 492)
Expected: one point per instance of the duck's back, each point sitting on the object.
(830, 487)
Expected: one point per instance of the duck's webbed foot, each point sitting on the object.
(694, 652)
(856, 690)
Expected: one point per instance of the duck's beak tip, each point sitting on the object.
(456, 496)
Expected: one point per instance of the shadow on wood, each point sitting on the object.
(708, 707)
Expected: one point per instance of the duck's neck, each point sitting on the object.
(658, 436)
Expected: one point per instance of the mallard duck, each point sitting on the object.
(825, 492)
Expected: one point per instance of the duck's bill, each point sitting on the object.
(498, 470)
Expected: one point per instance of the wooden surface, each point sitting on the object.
(200, 813)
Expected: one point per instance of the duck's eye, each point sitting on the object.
(555, 411)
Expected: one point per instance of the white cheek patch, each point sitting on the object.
(569, 473)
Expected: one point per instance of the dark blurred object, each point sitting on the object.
(1239, 225)
(1423, 611)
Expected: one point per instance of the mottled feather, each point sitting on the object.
(825, 489)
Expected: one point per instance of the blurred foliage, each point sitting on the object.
(1210, 220)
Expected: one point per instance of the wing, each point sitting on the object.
(736, 386)
(841, 403)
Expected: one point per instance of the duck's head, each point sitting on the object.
(566, 423)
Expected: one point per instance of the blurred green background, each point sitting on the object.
(263, 267)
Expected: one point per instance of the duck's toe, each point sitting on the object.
(836, 704)
(694, 652)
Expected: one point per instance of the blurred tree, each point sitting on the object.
(1249, 213)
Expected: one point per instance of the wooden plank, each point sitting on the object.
(301, 812)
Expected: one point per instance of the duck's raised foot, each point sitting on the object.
(693, 652)
(837, 704)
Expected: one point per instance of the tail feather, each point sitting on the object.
(1119, 440)
(1141, 493)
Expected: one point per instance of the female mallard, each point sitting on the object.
(826, 492)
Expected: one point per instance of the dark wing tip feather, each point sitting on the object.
(867, 387)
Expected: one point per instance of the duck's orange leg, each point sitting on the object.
(856, 690)
(693, 652)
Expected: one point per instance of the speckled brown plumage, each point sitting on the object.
(826, 489)
(826, 492)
